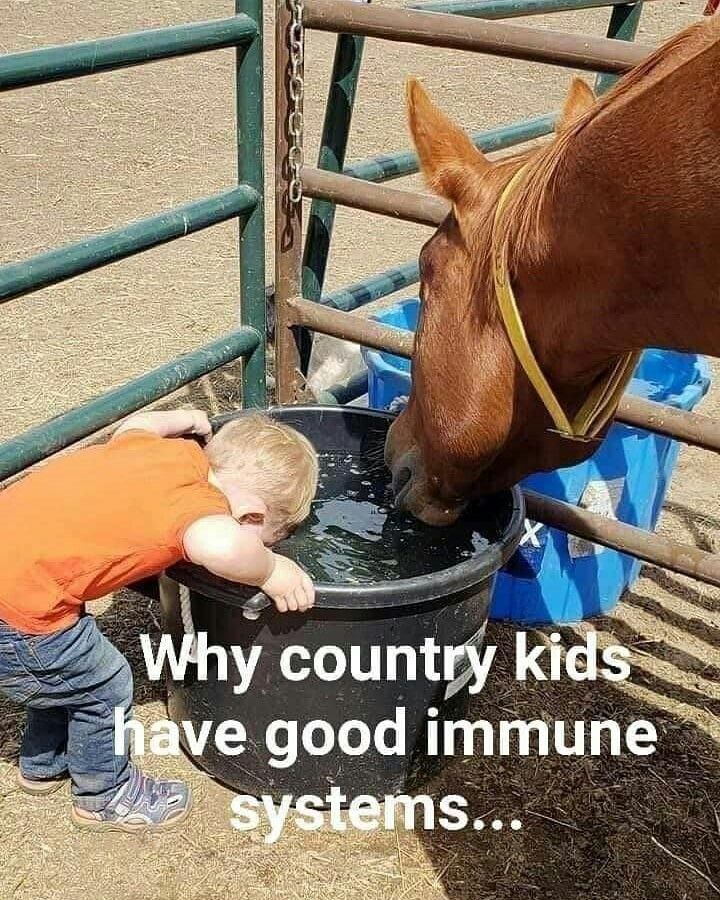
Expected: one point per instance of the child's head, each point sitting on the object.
(257, 456)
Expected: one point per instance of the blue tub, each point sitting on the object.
(554, 577)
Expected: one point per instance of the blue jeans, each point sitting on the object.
(70, 681)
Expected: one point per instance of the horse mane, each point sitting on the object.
(520, 232)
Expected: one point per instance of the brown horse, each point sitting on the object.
(612, 241)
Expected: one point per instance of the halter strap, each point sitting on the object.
(604, 396)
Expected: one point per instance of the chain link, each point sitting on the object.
(297, 91)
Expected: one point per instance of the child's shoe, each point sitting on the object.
(40, 787)
(142, 804)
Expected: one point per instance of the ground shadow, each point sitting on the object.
(699, 524)
(588, 823)
(658, 649)
(674, 586)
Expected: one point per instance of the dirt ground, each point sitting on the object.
(78, 157)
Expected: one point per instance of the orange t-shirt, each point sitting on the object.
(95, 520)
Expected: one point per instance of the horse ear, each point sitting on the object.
(579, 99)
(447, 155)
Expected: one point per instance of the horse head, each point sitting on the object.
(473, 423)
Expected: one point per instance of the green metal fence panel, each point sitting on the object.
(93, 252)
(623, 26)
(251, 161)
(333, 146)
(398, 165)
(34, 445)
(244, 202)
(504, 9)
(345, 392)
(374, 287)
(90, 57)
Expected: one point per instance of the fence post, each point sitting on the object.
(250, 163)
(623, 26)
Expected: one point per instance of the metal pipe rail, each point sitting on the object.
(353, 296)
(37, 443)
(645, 545)
(388, 166)
(331, 157)
(342, 394)
(623, 26)
(689, 427)
(47, 64)
(44, 269)
(459, 33)
(504, 9)
(423, 209)
(358, 329)
(250, 142)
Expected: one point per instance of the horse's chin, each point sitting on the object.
(416, 503)
(437, 516)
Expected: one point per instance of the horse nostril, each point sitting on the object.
(401, 478)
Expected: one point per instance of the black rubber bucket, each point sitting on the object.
(448, 603)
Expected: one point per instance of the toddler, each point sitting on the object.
(100, 518)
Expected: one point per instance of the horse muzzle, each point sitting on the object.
(411, 488)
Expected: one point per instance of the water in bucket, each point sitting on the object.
(354, 535)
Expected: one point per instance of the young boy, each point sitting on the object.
(103, 517)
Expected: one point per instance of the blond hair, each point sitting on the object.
(277, 462)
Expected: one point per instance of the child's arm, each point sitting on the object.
(236, 552)
(171, 423)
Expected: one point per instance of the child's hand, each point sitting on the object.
(199, 424)
(289, 586)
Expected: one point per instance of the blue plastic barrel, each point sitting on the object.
(554, 577)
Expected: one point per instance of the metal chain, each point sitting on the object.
(297, 91)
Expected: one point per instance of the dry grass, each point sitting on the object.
(80, 156)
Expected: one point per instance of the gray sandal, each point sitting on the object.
(142, 804)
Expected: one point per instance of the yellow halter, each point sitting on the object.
(602, 402)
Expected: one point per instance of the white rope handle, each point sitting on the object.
(187, 620)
